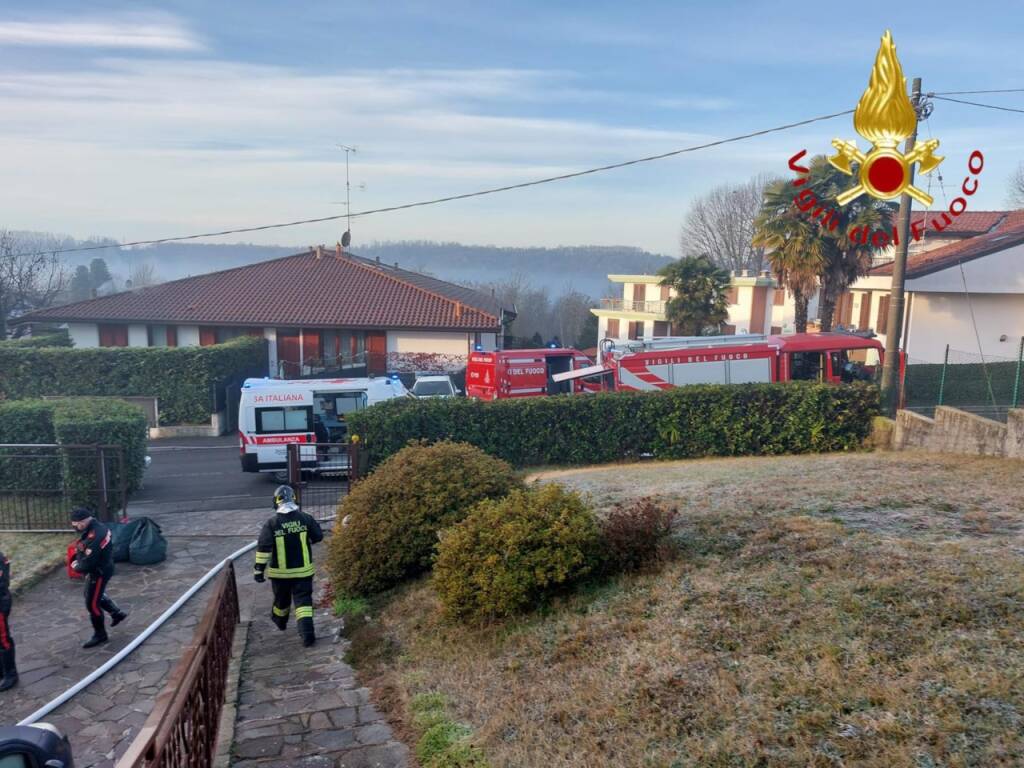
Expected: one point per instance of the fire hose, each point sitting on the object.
(139, 639)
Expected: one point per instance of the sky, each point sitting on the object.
(134, 121)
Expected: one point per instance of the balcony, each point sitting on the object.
(622, 305)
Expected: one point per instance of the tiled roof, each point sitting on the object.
(1008, 232)
(967, 223)
(301, 290)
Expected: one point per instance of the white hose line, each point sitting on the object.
(139, 640)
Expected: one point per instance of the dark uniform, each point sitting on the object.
(96, 560)
(284, 553)
(7, 666)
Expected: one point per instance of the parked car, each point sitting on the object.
(435, 386)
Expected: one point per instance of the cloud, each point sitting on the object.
(148, 32)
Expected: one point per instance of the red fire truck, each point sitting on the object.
(526, 373)
(673, 362)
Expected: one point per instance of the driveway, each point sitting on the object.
(198, 474)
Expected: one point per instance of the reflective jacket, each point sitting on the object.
(285, 546)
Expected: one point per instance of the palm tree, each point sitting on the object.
(794, 246)
(701, 301)
(844, 260)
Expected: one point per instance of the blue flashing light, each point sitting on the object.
(478, 347)
(553, 345)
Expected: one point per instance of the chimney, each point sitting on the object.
(378, 259)
(337, 249)
(458, 310)
(396, 265)
(744, 273)
(319, 252)
(766, 273)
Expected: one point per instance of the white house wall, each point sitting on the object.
(84, 334)
(188, 335)
(138, 336)
(938, 319)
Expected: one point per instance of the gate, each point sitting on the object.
(41, 483)
(322, 473)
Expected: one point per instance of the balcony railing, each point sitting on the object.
(622, 305)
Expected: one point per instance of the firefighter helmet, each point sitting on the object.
(284, 495)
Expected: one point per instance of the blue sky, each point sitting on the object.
(134, 121)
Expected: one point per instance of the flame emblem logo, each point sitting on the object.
(885, 117)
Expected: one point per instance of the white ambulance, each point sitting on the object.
(275, 412)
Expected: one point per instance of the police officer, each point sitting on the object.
(7, 667)
(95, 559)
(284, 552)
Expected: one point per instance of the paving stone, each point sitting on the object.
(268, 746)
(102, 720)
(283, 683)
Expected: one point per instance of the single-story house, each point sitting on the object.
(323, 310)
(963, 287)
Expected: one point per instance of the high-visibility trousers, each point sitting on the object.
(300, 592)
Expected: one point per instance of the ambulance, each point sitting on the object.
(274, 413)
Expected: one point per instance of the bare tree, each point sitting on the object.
(1017, 187)
(721, 225)
(143, 274)
(31, 275)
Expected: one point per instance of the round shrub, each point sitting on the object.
(394, 515)
(637, 535)
(510, 554)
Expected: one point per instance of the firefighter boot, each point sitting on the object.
(10, 678)
(116, 614)
(99, 633)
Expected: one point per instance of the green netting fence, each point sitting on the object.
(987, 385)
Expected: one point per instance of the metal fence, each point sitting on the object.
(181, 731)
(41, 483)
(322, 473)
(987, 385)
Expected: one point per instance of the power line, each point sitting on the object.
(452, 198)
(979, 104)
(968, 93)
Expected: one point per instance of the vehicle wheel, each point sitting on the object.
(279, 478)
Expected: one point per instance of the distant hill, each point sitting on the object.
(584, 268)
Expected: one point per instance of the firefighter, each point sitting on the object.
(7, 667)
(285, 554)
(95, 559)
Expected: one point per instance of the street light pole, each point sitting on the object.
(890, 366)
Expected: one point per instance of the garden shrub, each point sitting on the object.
(394, 515)
(686, 422)
(55, 338)
(510, 554)
(85, 421)
(184, 379)
(637, 534)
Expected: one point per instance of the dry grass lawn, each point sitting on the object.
(837, 610)
(33, 555)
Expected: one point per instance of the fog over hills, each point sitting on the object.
(583, 268)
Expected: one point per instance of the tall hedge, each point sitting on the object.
(183, 378)
(79, 421)
(705, 420)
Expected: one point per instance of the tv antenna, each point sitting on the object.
(347, 237)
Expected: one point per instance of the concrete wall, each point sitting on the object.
(956, 431)
(84, 334)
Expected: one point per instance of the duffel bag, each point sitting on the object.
(148, 545)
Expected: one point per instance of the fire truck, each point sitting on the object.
(677, 361)
(527, 373)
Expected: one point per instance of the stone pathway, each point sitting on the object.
(303, 707)
(49, 624)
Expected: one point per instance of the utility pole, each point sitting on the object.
(890, 366)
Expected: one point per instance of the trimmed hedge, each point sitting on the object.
(693, 421)
(59, 338)
(183, 378)
(69, 422)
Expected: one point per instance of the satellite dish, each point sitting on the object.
(346, 238)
